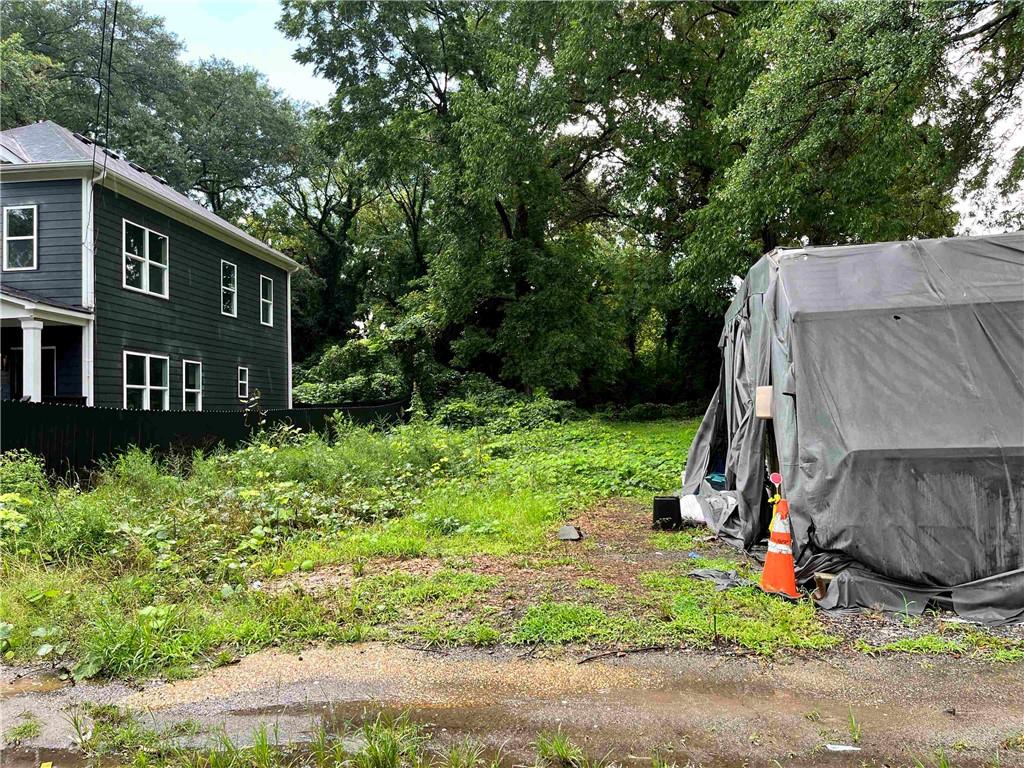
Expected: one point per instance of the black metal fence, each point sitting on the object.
(70, 437)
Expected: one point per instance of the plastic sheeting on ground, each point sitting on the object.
(898, 420)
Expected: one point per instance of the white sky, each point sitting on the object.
(245, 32)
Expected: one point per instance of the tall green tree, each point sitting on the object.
(26, 84)
(211, 128)
(233, 135)
(75, 35)
(507, 288)
(316, 208)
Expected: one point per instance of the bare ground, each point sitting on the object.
(618, 547)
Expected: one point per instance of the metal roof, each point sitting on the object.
(47, 143)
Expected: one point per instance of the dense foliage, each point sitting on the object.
(552, 195)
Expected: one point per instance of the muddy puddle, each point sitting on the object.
(707, 709)
(35, 681)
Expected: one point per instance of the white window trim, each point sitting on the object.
(234, 291)
(147, 388)
(185, 390)
(34, 237)
(269, 302)
(145, 261)
(238, 390)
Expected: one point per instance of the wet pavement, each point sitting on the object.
(713, 710)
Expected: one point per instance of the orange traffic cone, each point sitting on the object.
(779, 574)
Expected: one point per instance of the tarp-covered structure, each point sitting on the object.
(897, 376)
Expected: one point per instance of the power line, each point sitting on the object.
(99, 82)
(110, 81)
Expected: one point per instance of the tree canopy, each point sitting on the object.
(81, 63)
(691, 136)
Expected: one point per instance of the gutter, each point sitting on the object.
(117, 182)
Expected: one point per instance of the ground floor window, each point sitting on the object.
(146, 381)
(192, 385)
(243, 383)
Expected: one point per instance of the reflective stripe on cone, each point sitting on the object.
(779, 573)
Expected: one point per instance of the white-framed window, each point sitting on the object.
(228, 289)
(243, 383)
(266, 300)
(191, 385)
(145, 260)
(146, 385)
(21, 227)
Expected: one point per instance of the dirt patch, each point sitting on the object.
(603, 569)
(330, 578)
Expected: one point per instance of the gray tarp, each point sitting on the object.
(898, 420)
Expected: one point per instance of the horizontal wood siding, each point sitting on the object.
(59, 247)
(188, 325)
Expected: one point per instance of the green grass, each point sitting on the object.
(957, 640)
(679, 609)
(694, 611)
(556, 750)
(167, 568)
(598, 587)
(688, 539)
(153, 569)
(553, 622)
(382, 740)
(28, 728)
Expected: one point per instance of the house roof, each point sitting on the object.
(47, 144)
(35, 298)
(16, 304)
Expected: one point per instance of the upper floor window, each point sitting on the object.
(20, 230)
(266, 300)
(145, 260)
(228, 289)
(146, 381)
(192, 385)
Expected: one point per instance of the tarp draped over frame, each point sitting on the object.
(898, 420)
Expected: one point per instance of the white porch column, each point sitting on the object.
(32, 359)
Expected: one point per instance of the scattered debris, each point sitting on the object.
(723, 579)
(821, 582)
(569, 533)
(841, 748)
(666, 513)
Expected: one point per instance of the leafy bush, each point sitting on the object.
(537, 412)
(23, 474)
(460, 414)
(359, 370)
(658, 411)
(478, 401)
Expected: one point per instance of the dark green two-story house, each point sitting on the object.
(118, 291)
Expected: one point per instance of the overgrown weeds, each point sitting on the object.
(159, 567)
